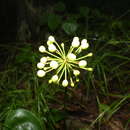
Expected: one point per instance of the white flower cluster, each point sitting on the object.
(66, 65)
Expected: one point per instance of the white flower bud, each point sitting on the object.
(54, 78)
(53, 64)
(43, 60)
(71, 56)
(89, 69)
(64, 83)
(62, 44)
(82, 63)
(50, 81)
(84, 44)
(52, 48)
(75, 42)
(84, 41)
(51, 38)
(42, 49)
(41, 73)
(90, 54)
(40, 65)
(76, 72)
(72, 84)
(77, 80)
(49, 42)
(76, 39)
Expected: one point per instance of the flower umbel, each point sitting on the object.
(65, 65)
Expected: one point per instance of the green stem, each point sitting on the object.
(88, 55)
(65, 98)
(59, 48)
(65, 72)
(61, 73)
(78, 50)
(64, 54)
(52, 54)
(70, 50)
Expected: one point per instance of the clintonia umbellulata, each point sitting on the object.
(65, 64)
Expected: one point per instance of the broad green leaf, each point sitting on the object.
(70, 28)
(22, 119)
(54, 21)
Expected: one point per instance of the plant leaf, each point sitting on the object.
(70, 28)
(59, 7)
(54, 21)
(22, 119)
